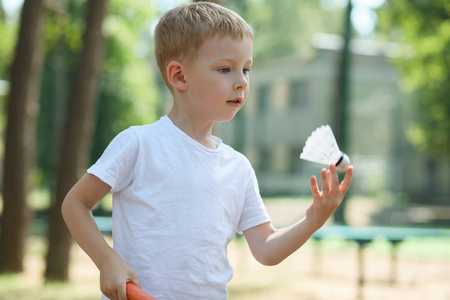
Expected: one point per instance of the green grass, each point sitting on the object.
(425, 248)
(416, 248)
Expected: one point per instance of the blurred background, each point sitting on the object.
(75, 73)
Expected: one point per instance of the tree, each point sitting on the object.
(20, 136)
(286, 26)
(424, 28)
(7, 45)
(2, 12)
(63, 37)
(77, 136)
(342, 98)
(127, 93)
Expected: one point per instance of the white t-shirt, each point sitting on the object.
(176, 206)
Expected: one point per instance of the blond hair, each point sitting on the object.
(183, 30)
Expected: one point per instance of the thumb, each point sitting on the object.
(134, 279)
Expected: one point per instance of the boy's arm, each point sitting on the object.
(76, 210)
(270, 246)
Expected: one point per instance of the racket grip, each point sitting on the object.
(136, 293)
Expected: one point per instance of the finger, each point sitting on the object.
(329, 178)
(325, 182)
(135, 280)
(122, 292)
(314, 188)
(345, 184)
(113, 296)
(334, 179)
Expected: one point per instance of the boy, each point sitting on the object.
(179, 193)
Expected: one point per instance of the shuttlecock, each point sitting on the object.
(321, 147)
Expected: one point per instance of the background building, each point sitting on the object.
(291, 96)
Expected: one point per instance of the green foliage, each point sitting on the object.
(127, 94)
(8, 33)
(63, 40)
(424, 28)
(286, 26)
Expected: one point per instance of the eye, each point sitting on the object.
(246, 71)
(224, 70)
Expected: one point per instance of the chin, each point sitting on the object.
(226, 119)
(223, 120)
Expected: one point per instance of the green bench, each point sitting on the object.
(364, 235)
(104, 224)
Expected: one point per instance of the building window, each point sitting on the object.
(264, 159)
(263, 98)
(298, 93)
(294, 166)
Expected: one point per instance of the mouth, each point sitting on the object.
(236, 101)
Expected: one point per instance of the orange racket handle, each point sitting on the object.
(136, 293)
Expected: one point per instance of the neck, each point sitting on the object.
(198, 130)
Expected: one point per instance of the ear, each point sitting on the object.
(175, 75)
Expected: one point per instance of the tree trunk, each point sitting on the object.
(342, 97)
(20, 136)
(2, 12)
(75, 147)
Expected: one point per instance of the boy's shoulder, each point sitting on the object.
(147, 128)
(236, 155)
(134, 135)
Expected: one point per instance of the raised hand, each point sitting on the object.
(329, 197)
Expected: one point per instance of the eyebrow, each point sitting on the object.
(232, 60)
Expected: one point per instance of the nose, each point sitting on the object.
(241, 82)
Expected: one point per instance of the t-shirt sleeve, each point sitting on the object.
(254, 212)
(116, 166)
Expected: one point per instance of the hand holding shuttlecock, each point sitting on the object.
(321, 147)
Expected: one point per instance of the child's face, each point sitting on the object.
(218, 79)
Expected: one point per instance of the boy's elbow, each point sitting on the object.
(268, 260)
(65, 208)
(272, 262)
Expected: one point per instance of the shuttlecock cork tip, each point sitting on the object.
(343, 163)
